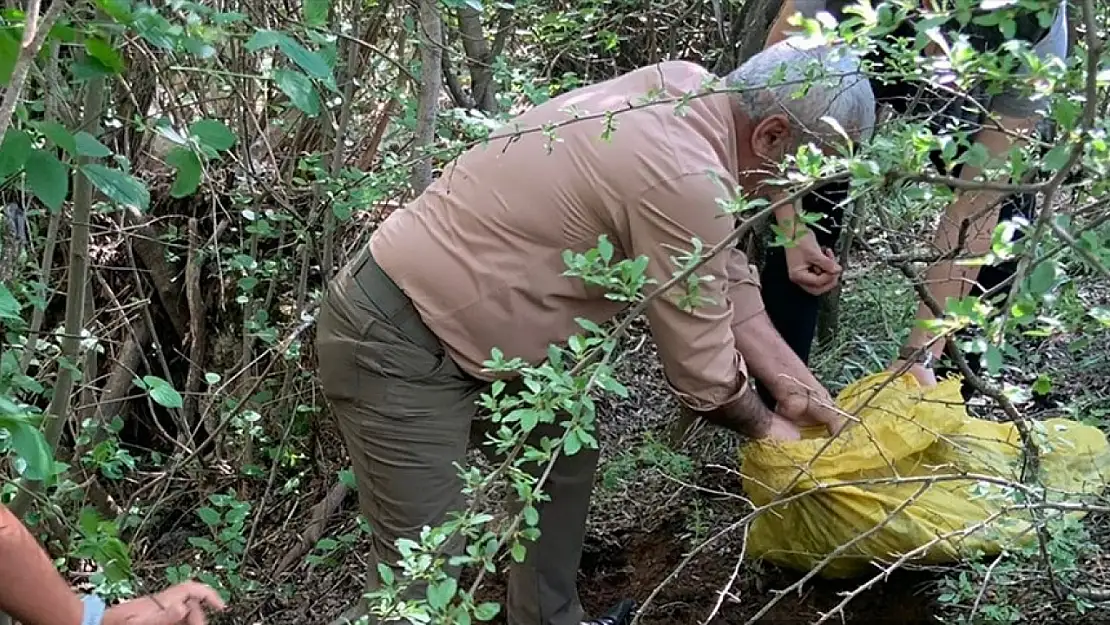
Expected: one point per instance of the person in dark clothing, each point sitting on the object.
(793, 279)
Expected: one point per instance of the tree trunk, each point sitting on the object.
(431, 79)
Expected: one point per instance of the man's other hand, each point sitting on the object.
(806, 406)
(183, 604)
(814, 269)
(781, 429)
(924, 375)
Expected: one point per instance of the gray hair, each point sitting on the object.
(808, 81)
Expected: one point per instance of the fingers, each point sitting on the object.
(186, 603)
(205, 596)
(827, 261)
(782, 429)
(196, 613)
(814, 283)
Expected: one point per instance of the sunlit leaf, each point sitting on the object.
(30, 445)
(189, 171)
(162, 392)
(59, 135)
(47, 178)
(15, 149)
(9, 52)
(9, 306)
(311, 62)
(262, 39)
(103, 52)
(213, 133)
(120, 187)
(316, 13)
(299, 89)
(88, 145)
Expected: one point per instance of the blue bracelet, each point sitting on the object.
(94, 610)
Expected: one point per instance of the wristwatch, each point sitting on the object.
(94, 610)
(916, 355)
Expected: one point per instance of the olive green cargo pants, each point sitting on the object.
(406, 412)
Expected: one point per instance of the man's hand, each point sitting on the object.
(810, 267)
(924, 375)
(183, 604)
(781, 429)
(810, 406)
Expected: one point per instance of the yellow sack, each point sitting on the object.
(912, 433)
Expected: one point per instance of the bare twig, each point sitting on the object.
(34, 35)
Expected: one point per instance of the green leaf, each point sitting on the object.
(311, 62)
(977, 155)
(87, 145)
(120, 187)
(115, 559)
(531, 516)
(162, 392)
(993, 359)
(154, 28)
(59, 135)
(262, 39)
(189, 171)
(210, 516)
(103, 52)
(213, 134)
(605, 248)
(118, 10)
(299, 89)
(487, 611)
(48, 179)
(1057, 157)
(316, 13)
(9, 52)
(440, 594)
(572, 444)
(517, 551)
(14, 151)
(1043, 277)
(30, 445)
(9, 306)
(1043, 384)
(87, 68)
(88, 522)
(385, 574)
(63, 33)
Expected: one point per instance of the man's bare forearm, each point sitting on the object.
(768, 356)
(31, 590)
(747, 415)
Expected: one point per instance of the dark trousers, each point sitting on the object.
(793, 311)
(407, 414)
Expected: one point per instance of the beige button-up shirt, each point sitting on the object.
(480, 253)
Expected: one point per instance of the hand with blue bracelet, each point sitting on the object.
(183, 604)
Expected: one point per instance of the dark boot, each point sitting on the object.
(620, 615)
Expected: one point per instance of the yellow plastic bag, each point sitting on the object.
(869, 497)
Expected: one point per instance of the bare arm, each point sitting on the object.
(31, 589)
(778, 28)
(948, 279)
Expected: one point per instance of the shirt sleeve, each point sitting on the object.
(744, 289)
(696, 346)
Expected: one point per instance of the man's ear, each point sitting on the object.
(772, 138)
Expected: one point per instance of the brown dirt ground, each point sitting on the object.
(642, 525)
